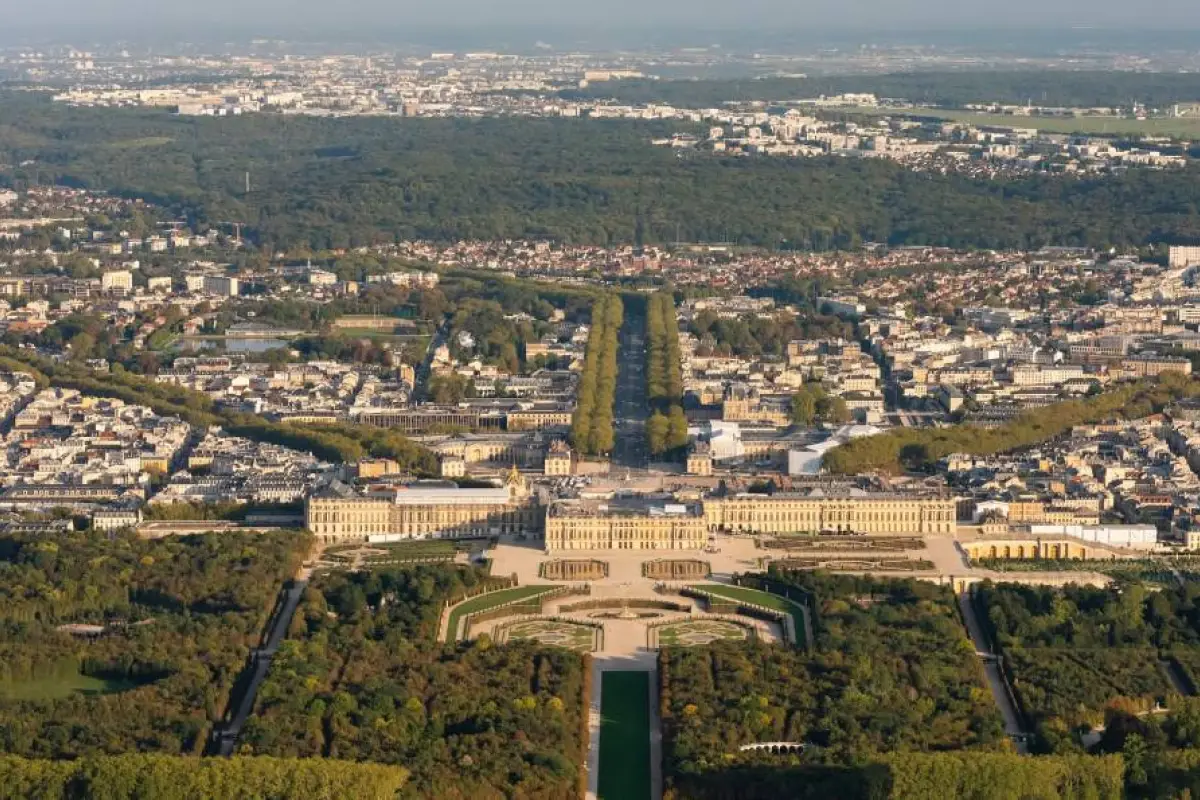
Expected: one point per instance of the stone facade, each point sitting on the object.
(420, 513)
(879, 514)
(571, 525)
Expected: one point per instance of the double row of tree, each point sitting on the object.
(919, 448)
(666, 430)
(592, 423)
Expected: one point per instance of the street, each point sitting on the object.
(629, 415)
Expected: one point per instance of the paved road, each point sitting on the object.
(630, 413)
(262, 663)
(421, 375)
(1008, 709)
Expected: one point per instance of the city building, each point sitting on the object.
(221, 285)
(117, 281)
(558, 459)
(700, 460)
(1183, 257)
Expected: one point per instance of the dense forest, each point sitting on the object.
(1080, 657)
(666, 429)
(179, 616)
(592, 423)
(891, 671)
(142, 777)
(920, 448)
(892, 702)
(342, 182)
(949, 89)
(973, 774)
(363, 678)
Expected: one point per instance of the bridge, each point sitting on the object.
(775, 747)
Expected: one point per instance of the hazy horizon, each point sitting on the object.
(690, 21)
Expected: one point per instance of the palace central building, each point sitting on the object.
(624, 524)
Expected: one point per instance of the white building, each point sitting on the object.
(115, 519)
(117, 281)
(1183, 257)
(808, 461)
(1135, 537)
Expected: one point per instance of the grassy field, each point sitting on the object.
(140, 144)
(1184, 127)
(421, 547)
(60, 684)
(624, 736)
(487, 601)
(764, 599)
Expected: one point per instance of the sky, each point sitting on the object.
(318, 17)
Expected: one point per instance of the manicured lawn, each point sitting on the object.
(491, 600)
(764, 599)
(699, 632)
(61, 683)
(624, 736)
(558, 634)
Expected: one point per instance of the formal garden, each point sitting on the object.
(552, 632)
(723, 599)
(519, 599)
(573, 569)
(831, 544)
(676, 569)
(693, 633)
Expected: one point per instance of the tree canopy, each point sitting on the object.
(357, 181)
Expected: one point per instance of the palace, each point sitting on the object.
(835, 509)
(422, 511)
(443, 510)
(624, 525)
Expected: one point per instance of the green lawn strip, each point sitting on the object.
(490, 600)
(418, 548)
(57, 686)
(764, 599)
(624, 736)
